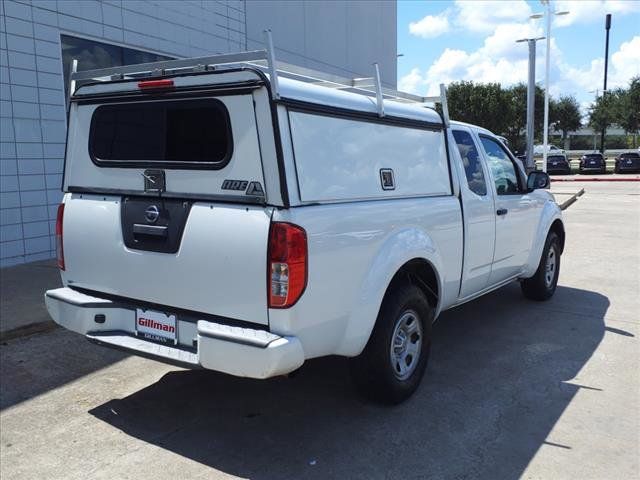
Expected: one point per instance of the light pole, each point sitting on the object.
(607, 27)
(595, 148)
(531, 95)
(547, 56)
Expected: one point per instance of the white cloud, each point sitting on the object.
(412, 82)
(592, 11)
(502, 43)
(500, 59)
(430, 26)
(484, 16)
(482, 67)
(624, 65)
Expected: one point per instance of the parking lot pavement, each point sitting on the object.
(513, 389)
(22, 310)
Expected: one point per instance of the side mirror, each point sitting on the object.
(537, 180)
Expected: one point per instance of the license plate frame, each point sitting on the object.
(156, 326)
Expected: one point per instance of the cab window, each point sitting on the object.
(501, 166)
(471, 162)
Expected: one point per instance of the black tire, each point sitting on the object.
(372, 371)
(541, 287)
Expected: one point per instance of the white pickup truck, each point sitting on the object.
(244, 219)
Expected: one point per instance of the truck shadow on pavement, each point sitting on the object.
(502, 372)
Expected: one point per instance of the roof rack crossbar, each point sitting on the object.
(167, 65)
(265, 60)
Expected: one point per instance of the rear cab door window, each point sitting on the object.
(517, 214)
(471, 162)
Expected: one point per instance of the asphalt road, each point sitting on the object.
(514, 389)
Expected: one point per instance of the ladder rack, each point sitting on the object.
(265, 61)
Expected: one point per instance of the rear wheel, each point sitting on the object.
(392, 364)
(543, 284)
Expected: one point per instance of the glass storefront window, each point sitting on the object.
(92, 54)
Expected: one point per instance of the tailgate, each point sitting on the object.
(219, 266)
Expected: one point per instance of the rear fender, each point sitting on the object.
(398, 249)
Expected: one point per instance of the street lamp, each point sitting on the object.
(531, 93)
(548, 14)
(595, 148)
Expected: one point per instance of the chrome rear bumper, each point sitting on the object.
(239, 351)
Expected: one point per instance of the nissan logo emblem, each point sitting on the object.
(152, 214)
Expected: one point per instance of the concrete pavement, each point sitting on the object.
(514, 389)
(22, 288)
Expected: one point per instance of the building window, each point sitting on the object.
(92, 55)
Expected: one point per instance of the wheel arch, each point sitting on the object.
(550, 221)
(421, 273)
(558, 228)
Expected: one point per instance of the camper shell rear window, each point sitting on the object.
(194, 133)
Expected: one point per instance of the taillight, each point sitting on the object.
(287, 268)
(59, 248)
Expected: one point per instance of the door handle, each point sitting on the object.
(502, 211)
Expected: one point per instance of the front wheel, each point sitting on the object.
(543, 284)
(392, 364)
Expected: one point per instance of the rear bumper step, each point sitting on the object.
(143, 348)
(239, 351)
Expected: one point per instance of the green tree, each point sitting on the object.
(565, 114)
(515, 130)
(482, 104)
(601, 112)
(627, 108)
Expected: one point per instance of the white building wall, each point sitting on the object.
(32, 112)
(341, 37)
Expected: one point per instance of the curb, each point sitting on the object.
(573, 199)
(635, 179)
(32, 328)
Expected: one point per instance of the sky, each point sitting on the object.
(446, 41)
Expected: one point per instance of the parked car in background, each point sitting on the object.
(627, 163)
(558, 164)
(551, 149)
(593, 163)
